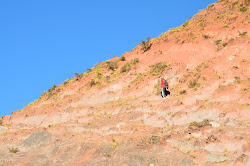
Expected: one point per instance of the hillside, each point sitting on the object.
(114, 114)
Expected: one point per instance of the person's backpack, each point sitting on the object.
(166, 83)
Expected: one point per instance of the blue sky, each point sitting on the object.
(44, 42)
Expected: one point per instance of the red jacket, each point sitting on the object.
(162, 83)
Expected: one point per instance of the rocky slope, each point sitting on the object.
(114, 114)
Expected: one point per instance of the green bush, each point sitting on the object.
(183, 91)
(79, 77)
(99, 75)
(193, 84)
(13, 150)
(225, 44)
(123, 58)
(50, 92)
(193, 124)
(225, 26)
(218, 41)
(157, 89)
(66, 83)
(126, 67)
(205, 36)
(52, 88)
(237, 80)
(243, 34)
(158, 68)
(210, 6)
(134, 61)
(107, 78)
(186, 23)
(235, 3)
(146, 44)
(92, 82)
(243, 9)
(112, 65)
(201, 67)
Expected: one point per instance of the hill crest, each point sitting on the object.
(114, 115)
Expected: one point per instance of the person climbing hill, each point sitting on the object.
(164, 85)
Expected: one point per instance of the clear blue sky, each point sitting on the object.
(44, 42)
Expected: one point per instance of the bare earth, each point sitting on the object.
(109, 117)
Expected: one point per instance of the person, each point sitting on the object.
(164, 85)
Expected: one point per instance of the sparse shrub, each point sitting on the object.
(88, 70)
(210, 6)
(183, 79)
(146, 44)
(183, 91)
(52, 88)
(217, 75)
(242, 34)
(1, 122)
(157, 88)
(218, 41)
(65, 83)
(13, 150)
(218, 48)
(107, 78)
(204, 123)
(78, 78)
(99, 75)
(204, 77)
(226, 26)
(115, 144)
(205, 36)
(50, 93)
(155, 139)
(134, 61)
(186, 23)
(236, 67)
(202, 66)
(4, 133)
(109, 155)
(243, 60)
(194, 36)
(158, 68)
(112, 65)
(235, 3)
(237, 80)
(139, 78)
(193, 84)
(126, 67)
(193, 124)
(123, 58)
(230, 40)
(225, 44)
(92, 82)
(243, 9)
(58, 90)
